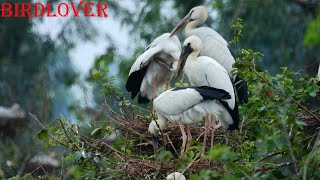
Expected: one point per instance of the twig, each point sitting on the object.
(43, 127)
(65, 132)
(276, 166)
(306, 109)
(271, 155)
(172, 145)
(35, 118)
(311, 155)
(194, 159)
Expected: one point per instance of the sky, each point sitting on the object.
(83, 54)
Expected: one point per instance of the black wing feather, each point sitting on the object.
(135, 80)
(242, 89)
(208, 93)
(234, 114)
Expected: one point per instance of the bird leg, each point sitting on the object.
(205, 135)
(184, 138)
(213, 126)
(189, 138)
(153, 95)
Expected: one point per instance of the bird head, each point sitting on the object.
(176, 176)
(197, 16)
(191, 48)
(154, 131)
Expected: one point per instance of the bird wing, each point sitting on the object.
(144, 59)
(241, 87)
(180, 99)
(216, 76)
(152, 68)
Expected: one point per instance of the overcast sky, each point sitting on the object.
(84, 54)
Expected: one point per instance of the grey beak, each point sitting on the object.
(155, 140)
(181, 25)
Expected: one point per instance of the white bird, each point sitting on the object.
(185, 106)
(188, 105)
(214, 45)
(205, 71)
(176, 176)
(152, 69)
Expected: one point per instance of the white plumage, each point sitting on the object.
(176, 176)
(203, 70)
(212, 93)
(214, 45)
(188, 106)
(152, 69)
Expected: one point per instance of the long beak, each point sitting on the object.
(155, 140)
(181, 25)
(182, 60)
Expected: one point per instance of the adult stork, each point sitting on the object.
(188, 105)
(152, 69)
(214, 46)
(201, 71)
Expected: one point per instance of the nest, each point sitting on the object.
(311, 123)
(139, 168)
(170, 140)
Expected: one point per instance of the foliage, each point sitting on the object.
(313, 31)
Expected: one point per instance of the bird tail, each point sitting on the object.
(241, 89)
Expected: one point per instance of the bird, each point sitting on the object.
(205, 71)
(176, 176)
(187, 105)
(214, 46)
(153, 68)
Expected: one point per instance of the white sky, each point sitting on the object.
(84, 53)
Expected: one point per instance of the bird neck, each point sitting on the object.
(190, 61)
(162, 122)
(193, 24)
(193, 56)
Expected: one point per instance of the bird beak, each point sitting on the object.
(187, 50)
(181, 25)
(155, 140)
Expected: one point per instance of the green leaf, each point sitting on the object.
(42, 135)
(164, 156)
(220, 153)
